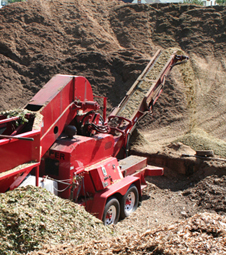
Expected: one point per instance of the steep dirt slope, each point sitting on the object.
(198, 31)
(40, 39)
(110, 42)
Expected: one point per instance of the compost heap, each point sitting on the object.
(110, 43)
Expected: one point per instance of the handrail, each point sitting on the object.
(17, 137)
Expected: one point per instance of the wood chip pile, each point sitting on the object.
(198, 139)
(31, 217)
(201, 234)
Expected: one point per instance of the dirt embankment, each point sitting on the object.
(110, 43)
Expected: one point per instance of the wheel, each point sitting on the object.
(111, 212)
(129, 201)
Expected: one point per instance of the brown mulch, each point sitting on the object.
(201, 234)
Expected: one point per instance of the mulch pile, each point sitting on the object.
(210, 193)
(198, 139)
(31, 217)
(110, 43)
(201, 234)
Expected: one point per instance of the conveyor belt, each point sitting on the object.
(147, 80)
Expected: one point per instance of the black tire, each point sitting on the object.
(205, 153)
(129, 202)
(111, 212)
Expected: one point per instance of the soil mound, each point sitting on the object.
(110, 42)
(210, 193)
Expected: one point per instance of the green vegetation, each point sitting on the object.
(21, 113)
(198, 2)
(13, 1)
(221, 2)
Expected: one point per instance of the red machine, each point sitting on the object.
(60, 135)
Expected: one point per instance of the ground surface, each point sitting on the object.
(110, 43)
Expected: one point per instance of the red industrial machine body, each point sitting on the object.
(62, 137)
(69, 156)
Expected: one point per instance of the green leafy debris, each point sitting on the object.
(31, 217)
(21, 113)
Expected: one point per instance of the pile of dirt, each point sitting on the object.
(31, 217)
(110, 43)
(210, 193)
(200, 234)
(42, 38)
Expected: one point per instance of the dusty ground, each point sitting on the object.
(175, 197)
(110, 43)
